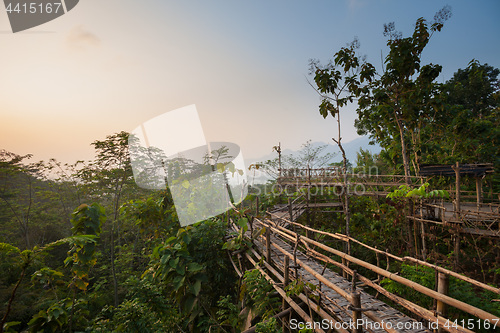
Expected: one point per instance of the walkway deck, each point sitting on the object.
(335, 304)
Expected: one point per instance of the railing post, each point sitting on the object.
(356, 305)
(257, 206)
(344, 273)
(268, 245)
(479, 192)
(356, 314)
(286, 280)
(379, 278)
(457, 249)
(442, 287)
(456, 168)
(290, 208)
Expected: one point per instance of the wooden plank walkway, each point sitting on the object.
(282, 212)
(335, 304)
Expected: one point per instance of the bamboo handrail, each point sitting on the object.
(454, 274)
(406, 258)
(412, 307)
(424, 290)
(302, 297)
(282, 293)
(420, 311)
(341, 237)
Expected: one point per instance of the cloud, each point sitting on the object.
(356, 4)
(81, 39)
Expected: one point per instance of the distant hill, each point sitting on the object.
(351, 148)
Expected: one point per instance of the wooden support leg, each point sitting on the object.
(257, 206)
(356, 314)
(479, 192)
(268, 245)
(443, 286)
(424, 247)
(286, 280)
(344, 273)
(457, 249)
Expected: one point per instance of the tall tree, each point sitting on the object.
(467, 126)
(338, 83)
(18, 193)
(398, 101)
(108, 179)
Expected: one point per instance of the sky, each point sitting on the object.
(111, 65)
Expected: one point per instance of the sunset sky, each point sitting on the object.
(110, 65)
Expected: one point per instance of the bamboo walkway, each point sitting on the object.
(283, 255)
(333, 302)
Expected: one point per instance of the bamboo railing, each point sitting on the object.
(312, 248)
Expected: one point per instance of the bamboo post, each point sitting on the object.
(344, 263)
(353, 281)
(279, 158)
(356, 305)
(378, 265)
(356, 314)
(387, 259)
(479, 192)
(290, 208)
(456, 249)
(257, 206)
(442, 288)
(424, 247)
(268, 245)
(436, 288)
(456, 167)
(286, 280)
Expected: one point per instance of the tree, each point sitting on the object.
(310, 156)
(109, 179)
(467, 126)
(396, 104)
(366, 162)
(338, 83)
(21, 194)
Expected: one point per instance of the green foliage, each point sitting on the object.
(228, 313)
(7, 328)
(458, 289)
(47, 277)
(181, 265)
(175, 266)
(369, 164)
(57, 316)
(394, 107)
(404, 191)
(260, 293)
(420, 274)
(296, 287)
(467, 128)
(146, 309)
(154, 216)
(239, 240)
(269, 326)
(87, 221)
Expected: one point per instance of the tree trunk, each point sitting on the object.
(406, 163)
(11, 299)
